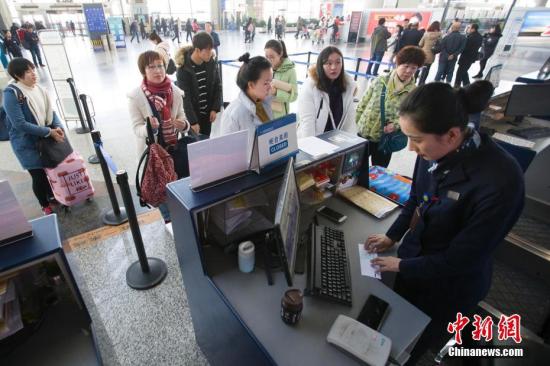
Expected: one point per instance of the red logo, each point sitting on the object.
(509, 327)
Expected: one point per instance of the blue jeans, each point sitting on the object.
(35, 52)
(163, 208)
(445, 70)
(377, 57)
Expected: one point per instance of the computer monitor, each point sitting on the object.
(287, 221)
(528, 100)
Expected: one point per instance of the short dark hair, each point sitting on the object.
(323, 82)
(18, 66)
(381, 21)
(474, 26)
(251, 69)
(202, 41)
(155, 37)
(434, 27)
(146, 58)
(277, 46)
(436, 107)
(411, 55)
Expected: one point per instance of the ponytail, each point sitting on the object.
(278, 46)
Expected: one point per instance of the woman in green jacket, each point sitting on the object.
(285, 87)
(399, 83)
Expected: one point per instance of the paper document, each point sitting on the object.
(315, 147)
(367, 269)
(369, 201)
(217, 158)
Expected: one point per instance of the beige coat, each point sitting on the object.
(427, 42)
(139, 109)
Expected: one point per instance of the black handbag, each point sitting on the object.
(171, 67)
(180, 155)
(389, 142)
(436, 48)
(52, 152)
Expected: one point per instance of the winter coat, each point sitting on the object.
(314, 107)
(410, 37)
(490, 41)
(452, 44)
(379, 40)
(426, 43)
(241, 115)
(471, 50)
(287, 73)
(24, 130)
(368, 110)
(187, 81)
(163, 49)
(140, 109)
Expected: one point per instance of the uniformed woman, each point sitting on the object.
(466, 195)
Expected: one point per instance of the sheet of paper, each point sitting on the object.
(364, 258)
(315, 147)
(216, 158)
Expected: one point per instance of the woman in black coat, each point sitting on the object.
(490, 41)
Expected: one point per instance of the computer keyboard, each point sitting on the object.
(530, 132)
(335, 275)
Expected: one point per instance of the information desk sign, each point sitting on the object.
(274, 143)
(115, 24)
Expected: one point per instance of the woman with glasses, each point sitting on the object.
(158, 99)
(326, 99)
(30, 117)
(253, 104)
(388, 91)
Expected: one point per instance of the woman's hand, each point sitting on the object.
(273, 90)
(389, 128)
(154, 122)
(196, 127)
(377, 243)
(180, 125)
(212, 116)
(386, 264)
(57, 134)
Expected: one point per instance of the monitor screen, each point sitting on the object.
(529, 100)
(287, 220)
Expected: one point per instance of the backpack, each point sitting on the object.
(4, 131)
(157, 173)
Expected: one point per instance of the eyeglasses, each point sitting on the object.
(153, 67)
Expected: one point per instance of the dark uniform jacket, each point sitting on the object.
(410, 37)
(471, 50)
(452, 44)
(187, 81)
(469, 203)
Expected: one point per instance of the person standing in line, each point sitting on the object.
(198, 76)
(427, 43)
(196, 26)
(393, 88)
(379, 44)
(285, 86)
(452, 46)
(176, 28)
(467, 193)
(15, 36)
(269, 25)
(142, 29)
(161, 47)
(252, 107)
(188, 30)
(489, 44)
(30, 117)
(209, 28)
(31, 38)
(411, 36)
(468, 55)
(11, 47)
(134, 31)
(325, 102)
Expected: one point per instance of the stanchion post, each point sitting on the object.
(357, 68)
(146, 272)
(92, 159)
(117, 215)
(82, 129)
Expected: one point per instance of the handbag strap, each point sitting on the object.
(383, 107)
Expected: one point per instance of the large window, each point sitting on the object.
(182, 9)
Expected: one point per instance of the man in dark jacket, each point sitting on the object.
(198, 77)
(451, 47)
(11, 47)
(378, 46)
(209, 28)
(31, 38)
(411, 36)
(468, 56)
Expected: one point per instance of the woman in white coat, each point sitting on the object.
(253, 104)
(325, 102)
(160, 100)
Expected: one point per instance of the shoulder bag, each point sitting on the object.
(389, 142)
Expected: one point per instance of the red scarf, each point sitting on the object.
(160, 96)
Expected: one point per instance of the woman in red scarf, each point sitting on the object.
(160, 100)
